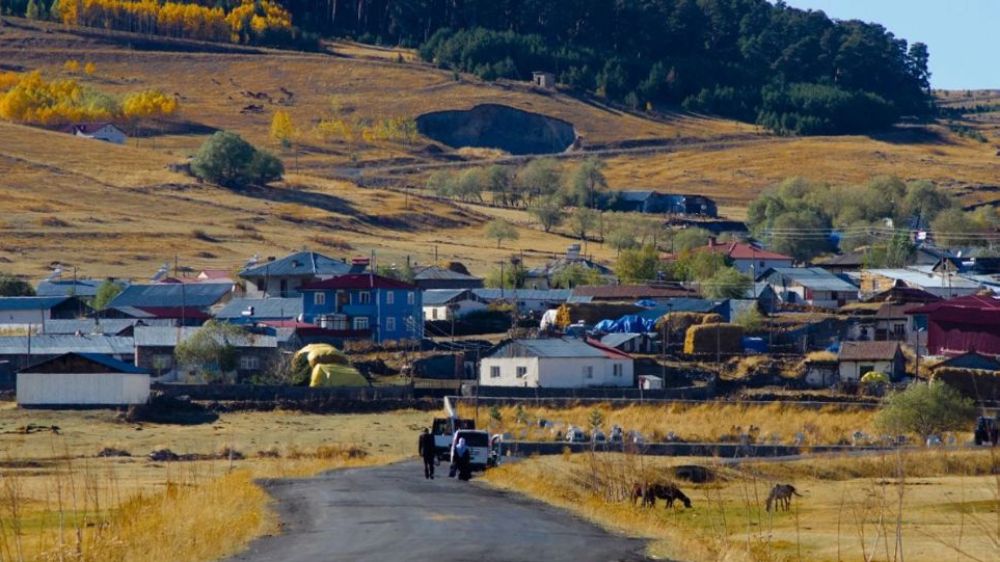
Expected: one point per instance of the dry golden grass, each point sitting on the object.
(706, 422)
(57, 496)
(948, 507)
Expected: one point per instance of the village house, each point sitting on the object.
(652, 202)
(963, 324)
(83, 288)
(529, 301)
(812, 286)
(943, 284)
(96, 326)
(858, 358)
(182, 301)
(106, 132)
(972, 361)
(365, 306)
(556, 363)
(155, 351)
(542, 277)
(455, 276)
(81, 380)
(22, 313)
(747, 258)
(283, 277)
(448, 304)
(18, 352)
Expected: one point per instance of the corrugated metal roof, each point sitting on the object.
(67, 287)
(270, 309)
(158, 336)
(104, 360)
(307, 264)
(30, 303)
(551, 348)
(552, 295)
(925, 278)
(56, 344)
(172, 295)
(616, 339)
(437, 297)
(815, 278)
(108, 326)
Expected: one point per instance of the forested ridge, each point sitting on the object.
(793, 71)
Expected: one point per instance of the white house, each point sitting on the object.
(82, 379)
(556, 363)
(445, 304)
(858, 358)
(106, 132)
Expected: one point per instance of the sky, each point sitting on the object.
(962, 35)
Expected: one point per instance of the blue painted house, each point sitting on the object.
(365, 306)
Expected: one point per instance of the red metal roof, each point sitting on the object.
(742, 251)
(609, 351)
(358, 281)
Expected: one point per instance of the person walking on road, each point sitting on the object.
(461, 461)
(426, 450)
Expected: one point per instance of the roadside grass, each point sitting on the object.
(702, 422)
(944, 509)
(60, 501)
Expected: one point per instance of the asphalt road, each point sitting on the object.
(393, 513)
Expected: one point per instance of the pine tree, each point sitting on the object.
(32, 12)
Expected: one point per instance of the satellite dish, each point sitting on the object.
(161, 273)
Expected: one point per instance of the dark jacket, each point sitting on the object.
(425, 446)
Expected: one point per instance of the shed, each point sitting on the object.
(82, 380)
(858, 358)
(632, 342)
(544, 79)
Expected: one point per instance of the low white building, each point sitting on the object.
(858, 358)
(556, 363)
(445, 304)
(82, 380)
(106, 132)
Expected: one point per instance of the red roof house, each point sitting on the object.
(963, 324)
(747, 258)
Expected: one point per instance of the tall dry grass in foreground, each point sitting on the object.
(106, 510)
(710, 422)
(916, 505)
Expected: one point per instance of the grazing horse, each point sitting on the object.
(649, 493)
(781, 496)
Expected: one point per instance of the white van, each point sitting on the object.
(478, 442)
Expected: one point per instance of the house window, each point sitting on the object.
(361, 323)
(162, 362)
(434, 314)
(249, 363)
(260, 285)
(319, 299)
(390, 297)
(390, 324)
(588, 372)
(411, 326)
(617, 369)
(495, 372)
(410, 297)
(284, 287)
(365, 298)
(865, 369)
(522, 372)
(899, 330)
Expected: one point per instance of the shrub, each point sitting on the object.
(926, 409)
(228, 160)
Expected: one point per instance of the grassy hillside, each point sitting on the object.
(112, 210)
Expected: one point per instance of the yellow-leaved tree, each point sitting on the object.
(148, 104)
(282, 128)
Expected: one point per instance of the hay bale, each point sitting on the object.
(719, 338)
(712, 318)
(677, 323)
(974, 383)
